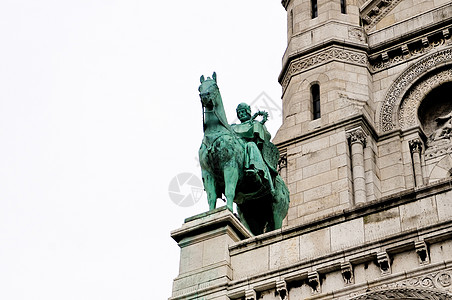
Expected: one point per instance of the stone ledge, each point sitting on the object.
(358, 211)
(210, 221)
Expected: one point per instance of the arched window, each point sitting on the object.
(343, 6)
(315, 97)
(313, 9)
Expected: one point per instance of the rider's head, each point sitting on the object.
(243, 112)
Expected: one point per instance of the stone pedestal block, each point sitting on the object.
(204, 260)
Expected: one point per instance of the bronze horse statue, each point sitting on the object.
(261, 206)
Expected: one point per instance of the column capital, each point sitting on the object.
(415, 145)
(357, 135)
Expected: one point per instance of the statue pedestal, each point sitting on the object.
(204, 260)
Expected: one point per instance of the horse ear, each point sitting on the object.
(202, 78)
(214, 76)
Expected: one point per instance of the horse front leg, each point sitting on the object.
(231, 176)
(209, 187)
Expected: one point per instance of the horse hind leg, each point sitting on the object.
(281, 202)
(209, 187)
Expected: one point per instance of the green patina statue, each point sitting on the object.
(240, 162)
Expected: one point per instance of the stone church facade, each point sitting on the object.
(366, 152)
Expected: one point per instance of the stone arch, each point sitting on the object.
(408, 111)
(404, 293)
(388, 112)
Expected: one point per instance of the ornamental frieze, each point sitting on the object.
(299, 65)
(404, 293)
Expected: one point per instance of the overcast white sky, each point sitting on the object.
(99, 110)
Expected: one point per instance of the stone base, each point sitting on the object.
(205, 264)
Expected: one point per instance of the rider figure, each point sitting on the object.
(255, 135)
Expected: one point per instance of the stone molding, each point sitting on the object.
(404, 81)
(375, 11)
(332, 53)
(404, 293)
(410, 102)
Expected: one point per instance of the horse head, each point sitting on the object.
(209, 92)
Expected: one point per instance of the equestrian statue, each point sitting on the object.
(239, 162)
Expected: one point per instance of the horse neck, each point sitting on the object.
(215, 120)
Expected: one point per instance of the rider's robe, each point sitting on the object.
(255, 134)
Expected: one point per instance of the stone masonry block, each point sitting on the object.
(419, 214)
(444, 205)
(314, 243)
(381, 224)
(250, 263)
(347, 234)
(284, 253)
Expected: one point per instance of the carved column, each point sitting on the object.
(357, 139)
(416, 149)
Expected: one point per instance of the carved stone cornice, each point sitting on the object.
(404, 81)
(375, 11)
(332, 53)
(409, 50)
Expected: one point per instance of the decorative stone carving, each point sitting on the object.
(357, 136)
(347, 273)
(281, 289)
(250, 295)
(440, 280)
(422, 252)
(415, 145)
(400, 85)
(411, 102)
(404, 293)
(333, 53)
(314, 282)
(384, 262)
(444, 130)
